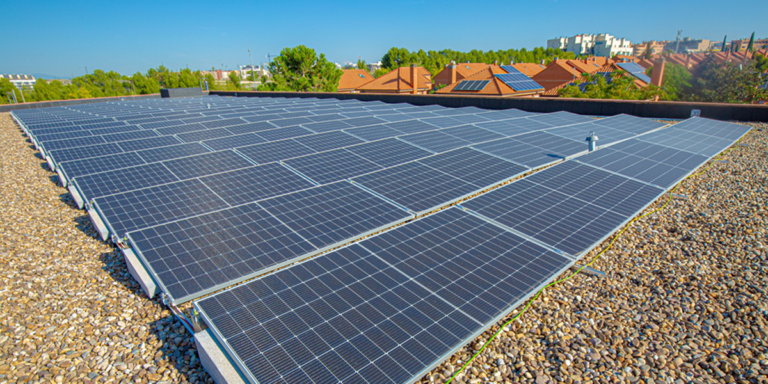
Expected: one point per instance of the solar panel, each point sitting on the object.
(416, 186)
(656, 164)
(223, 123)
(207, 134)
(171, 152)
(686, 140)
(326, 126)
(331, 166)
(474, 167)
(354, 316)
(73, 143)
(154, 142)
(364, 121)
(142, 208)
(629, 123)
(250, 127)
(329, 140)
(715, 128)
(533, 149)
(176, 129)
(435, 141)
(444, 122)
(284, 133)
(388, 153)
(84, 152)
(333, 213)
(206, 164)
(118, 129)
(519, 82)
(209, 251)
(374, 132)
(82, 167)
(410, 126)
(62, 135)
(122, 180)
(255, 183)
(513, 127)
(230, 142)
(561, 119)
(472, 134)
(275, 151)
(571, 206)
(291, 121)
(471, 85)
(636, 71)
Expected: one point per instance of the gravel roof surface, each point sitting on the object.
(69, 309)
(684, 299)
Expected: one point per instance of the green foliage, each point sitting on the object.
(361, 64)
(622, 87)
(145, 85)
(380, 71)
(234, 78)
(761, 62)
(725, 83)
(211, 82)
(434, 61)
(301, 69)
(676, 82)
(7, 89)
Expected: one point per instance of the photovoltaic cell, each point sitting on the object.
(206, 164)
(284, 133)
(82, 167)
(326, 126)
(389, 152)
(435, 141)
(662, 166)
(533, 149)
(331, 166)
(718, 129)
(171, 152)
(122, 180)
(330, 140)
(73, 143)
(207, 134)
(474, 167)
(230, 142)
(250, 127)
(199, 254)
(332, 213)
(275, 151)
(410, 126)
(569, 206)
(374, 132)
(472, 134)
(147, 207)
(513, 127)
(636, 71)
(687, 141)
(155, 142)
(255, 183)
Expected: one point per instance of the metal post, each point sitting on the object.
(253, 75)
(592, 141)
(21, 91)
(15, 101)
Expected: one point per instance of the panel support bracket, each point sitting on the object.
(587, 270)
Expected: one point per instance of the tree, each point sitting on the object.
(676, 82)
(7, 89)
(380, 71)
(361, 64)
(621, 86)
(301, 69)
(761, 63)
(145, 85)
(726, 83)
(648, 51)
(234, 78)
(211, 81)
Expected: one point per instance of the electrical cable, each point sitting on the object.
(528, 305)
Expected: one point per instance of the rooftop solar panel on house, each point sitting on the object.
(636, 71)
(519, 82)
(471, 85)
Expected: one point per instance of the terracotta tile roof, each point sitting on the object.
(463, 70)
(529, 69)
(563, 71)
(645, 63)
(399, 81)
(495, 86)
(351, 79)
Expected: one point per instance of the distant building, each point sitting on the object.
(259, 70)
(413, 79)
(21, 81)
(352, 79)
(372, 67)
(657, 47)
(602, 44)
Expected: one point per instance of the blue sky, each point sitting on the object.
(62, 38)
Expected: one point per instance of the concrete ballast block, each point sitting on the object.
(214, 361)
(139, 273)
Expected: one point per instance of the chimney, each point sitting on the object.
(414, 82)
(688, 61)
(657, 76)
(453, 72)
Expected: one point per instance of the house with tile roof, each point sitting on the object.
(606, 70)
(352, 79)
(560, 72)
(453, 72)
(488, 81)
(414, 80)
(529, 69)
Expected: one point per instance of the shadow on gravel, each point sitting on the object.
(67, 199)
(177, 349)
(84, 224)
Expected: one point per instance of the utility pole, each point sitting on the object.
(269, 57)
(86, 69)
(253, 75)
(677, 40)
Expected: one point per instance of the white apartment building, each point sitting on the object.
(21, 81)
(590, 44)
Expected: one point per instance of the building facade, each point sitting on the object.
(21, 81)
(602, 44)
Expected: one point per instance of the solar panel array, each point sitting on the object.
(635, 70)
(471, 85)
(300, 177)
(517, 80)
